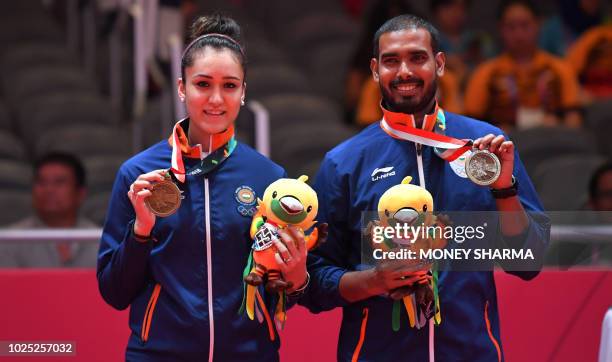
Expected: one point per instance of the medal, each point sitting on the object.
(165, 198)
(482, 167)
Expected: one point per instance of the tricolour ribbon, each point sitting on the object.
(446, 147)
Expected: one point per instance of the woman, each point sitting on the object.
(182, 274)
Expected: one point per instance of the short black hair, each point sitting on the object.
(407, 21)
(529, 5)
(65, 159)
(594, 182)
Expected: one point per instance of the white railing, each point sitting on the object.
(593, 233)
(49, 235)
(559, 233)
(262, 127)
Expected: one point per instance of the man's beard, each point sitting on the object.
(408, 105)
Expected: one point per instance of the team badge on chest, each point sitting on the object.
(246, 198)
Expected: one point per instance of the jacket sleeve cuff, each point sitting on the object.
(535, 238)
(323, 292)
(136, 243)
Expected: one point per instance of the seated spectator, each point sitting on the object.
(57, 194)
(524, 86)
(574, 18)
(591, 58)
(464, 48)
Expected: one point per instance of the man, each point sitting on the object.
(524, 86)
(57, 194)
(353, 176)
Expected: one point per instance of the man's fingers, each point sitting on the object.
(507, 147)
(495, 143)
(409, 280)
(483, 142)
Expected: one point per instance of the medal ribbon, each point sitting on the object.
(209, 163)
(214, 159)
(448, 148)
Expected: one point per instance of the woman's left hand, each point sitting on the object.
(291, 257)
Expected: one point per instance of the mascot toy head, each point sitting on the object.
(290, 202)
(405, 204)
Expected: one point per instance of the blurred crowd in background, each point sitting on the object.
(70, 106)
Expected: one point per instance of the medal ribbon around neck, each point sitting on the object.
(209, 163)
(448, 148)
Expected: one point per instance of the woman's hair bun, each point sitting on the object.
(218, 24)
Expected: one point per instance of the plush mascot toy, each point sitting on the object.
(411, 205)
(285, 202)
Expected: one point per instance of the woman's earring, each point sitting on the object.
(242, 101)
(183, 99)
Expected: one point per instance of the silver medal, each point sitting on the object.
(482, 167)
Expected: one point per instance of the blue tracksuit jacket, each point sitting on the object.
(349, 182)
(168, 284)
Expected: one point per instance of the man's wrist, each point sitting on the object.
(371, 282)
(506, 192)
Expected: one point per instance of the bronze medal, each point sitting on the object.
(482, 167)
(165, 198)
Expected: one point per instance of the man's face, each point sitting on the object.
(55, 191)
(519, 29)
(407, 70)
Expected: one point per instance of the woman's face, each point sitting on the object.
(213, 89)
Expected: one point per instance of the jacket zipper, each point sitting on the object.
(419, 152)
(148, 316)
(364, 323)
(211, 319)
(490, 332)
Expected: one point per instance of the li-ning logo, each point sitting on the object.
(383, 172)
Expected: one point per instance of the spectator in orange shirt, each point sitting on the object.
(591, 59)
(573, 18)
(524, 86)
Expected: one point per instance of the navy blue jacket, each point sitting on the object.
(348, 183)
(166, 283)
